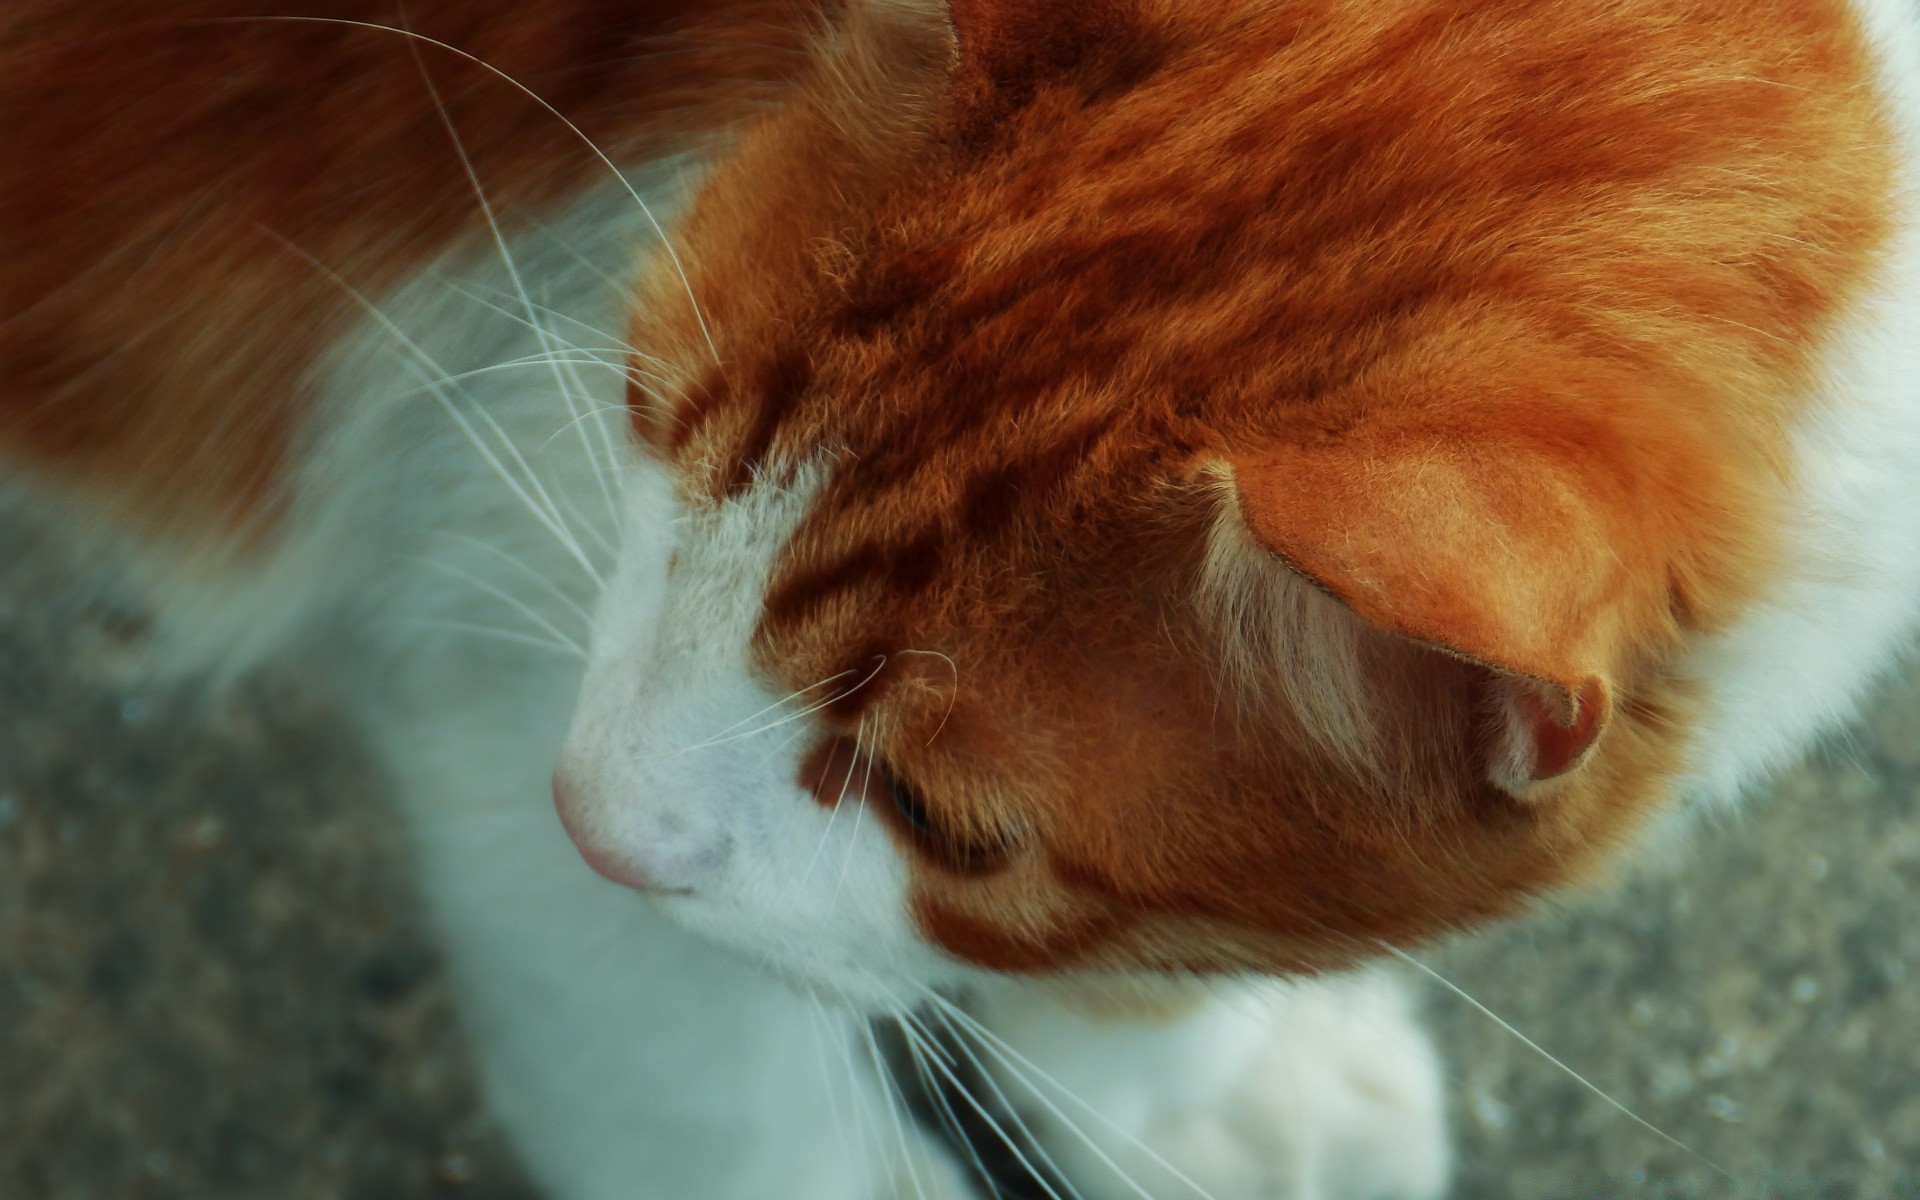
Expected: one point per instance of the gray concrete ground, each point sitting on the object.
(214, 983)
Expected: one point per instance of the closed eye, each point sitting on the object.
(908, 806)
(935, 841)
(839, 770)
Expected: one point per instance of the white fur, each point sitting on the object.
(689, 768)
(628, 1058)
(1278, 1091)
(1797, 667)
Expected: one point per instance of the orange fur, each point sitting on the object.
(172, 168)
(1496, 314)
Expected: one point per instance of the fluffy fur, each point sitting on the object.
(1091, 491)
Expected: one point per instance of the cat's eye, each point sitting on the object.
(909, 806)
(838, 769)
(967, 855)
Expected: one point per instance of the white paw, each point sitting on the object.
(1325, 1090)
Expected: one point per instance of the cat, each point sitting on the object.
(1083, 525)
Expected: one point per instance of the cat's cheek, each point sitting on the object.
(721, 837)
(821, 898)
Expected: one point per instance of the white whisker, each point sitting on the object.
(559, 524)
(952, 698)
(1026, 1130)
(833, 814)
(525, 363)
(513, 273)
(921, 1044)
(645, 209)
(889, 1096)
(552, 587)
(1006, 1139)
(438, 390)
(507, 635)
(859, 814)
(1534, 1046)
(595, 411)
(1001, 1051)
(566, 379)
(780, 703)
(808, 711)
(509, 599)
(584, 410)
(816, 1018)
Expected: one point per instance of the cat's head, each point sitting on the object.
(1186, 486)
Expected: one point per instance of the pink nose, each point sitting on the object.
(606, 861)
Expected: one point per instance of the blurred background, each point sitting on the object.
(214, 981)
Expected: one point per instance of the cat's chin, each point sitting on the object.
(827, 973)
(861, 997)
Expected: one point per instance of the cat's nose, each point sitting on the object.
(655, 855)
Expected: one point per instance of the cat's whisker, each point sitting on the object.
(539, 489)
(952, 697)
(868, 1126)
(596, 411)
(646, 210)
(609, 477)
(580, 408)
(567, 381)
(922, 1045)
(512, 270)
(538, 577)
(499, 593)
(1026, 1129)
(1534, 1046)
(851, 1131)
(780, 703)
(859, 814)
(890, 1096)
(824, 1029)
(805, 712)
(1006, 1139)
(619, 345)
(561, 363)
(832, 818)
(1019, 1065)
(594, 531)
(478, 293)
(421, 359)
(912, 1022)
(846, 860)
(508, 635)
(523, 363)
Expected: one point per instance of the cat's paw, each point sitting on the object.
(1320, 1091)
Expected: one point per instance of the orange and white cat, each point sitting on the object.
(1089, 521)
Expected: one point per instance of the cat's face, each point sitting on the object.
(1090, 553)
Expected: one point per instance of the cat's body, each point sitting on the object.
(449, 451)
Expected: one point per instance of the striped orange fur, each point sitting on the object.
(1492, 318)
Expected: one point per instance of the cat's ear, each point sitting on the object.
(1488, 552)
